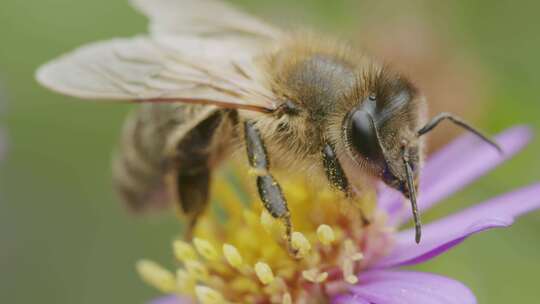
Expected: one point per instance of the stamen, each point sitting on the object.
(351, 251)
(310, 275)
(197, 270)
(264, 273)
(348, 271)
(287, 299)
(205, 249)
(326, 234)
(321, 278)
(351, 279)
(232, 256)
(184, 251)
(357, 256)
(184, 282)
(153, 274)
(207, 295)
(300, 243)
(314, 276)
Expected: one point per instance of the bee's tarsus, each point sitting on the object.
(460, 122)
(288, 235)
(189, 229)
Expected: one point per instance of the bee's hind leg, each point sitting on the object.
(193, 196)
(269, 190)
(338, 179)
(192, 174)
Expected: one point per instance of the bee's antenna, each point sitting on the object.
(460, 122)
(412, 195)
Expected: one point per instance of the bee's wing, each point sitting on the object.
(200, 17)
(207, 63)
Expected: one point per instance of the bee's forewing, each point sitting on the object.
(203, 17)
(207, 60)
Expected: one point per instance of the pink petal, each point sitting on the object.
(454, 167)
(443, 234)
(173, 300)
(407, 287)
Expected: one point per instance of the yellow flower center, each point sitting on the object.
(244, 258)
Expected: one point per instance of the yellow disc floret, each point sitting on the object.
(257, 263)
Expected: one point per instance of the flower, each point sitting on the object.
(242, 259)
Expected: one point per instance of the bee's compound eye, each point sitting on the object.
(363, 136)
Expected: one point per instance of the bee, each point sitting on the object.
(209, 75)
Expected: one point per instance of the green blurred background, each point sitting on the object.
(64, 238)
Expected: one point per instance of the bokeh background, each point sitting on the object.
(64, 238)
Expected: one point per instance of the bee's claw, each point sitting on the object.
(288, 237)
(189, 229)
(293, 252)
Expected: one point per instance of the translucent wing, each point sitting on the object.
(191, 65)
(200, 17)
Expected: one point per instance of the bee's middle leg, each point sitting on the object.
(338, 179)
(269, 190)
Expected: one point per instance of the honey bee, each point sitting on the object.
(209, 75)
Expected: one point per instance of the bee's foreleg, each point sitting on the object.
(269, 190)
(337, 177)
(334, 172)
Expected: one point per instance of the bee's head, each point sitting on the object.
(380, 131)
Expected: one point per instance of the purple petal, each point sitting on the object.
(443, 234)
(454, 167)
(407, 287)
(173, 300)
(349, 299)
(388, 196)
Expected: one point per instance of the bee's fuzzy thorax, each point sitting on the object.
(327, 79)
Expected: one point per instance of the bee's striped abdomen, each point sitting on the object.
(139, 165)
